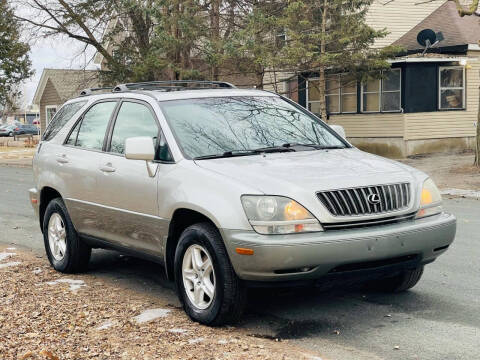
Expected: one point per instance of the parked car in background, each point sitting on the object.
(28, 129)
(229, 188)
(20, 129)
(8, 130)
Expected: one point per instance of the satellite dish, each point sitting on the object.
(427, 37)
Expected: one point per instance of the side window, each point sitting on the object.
(135, 119)
(90, 132)
(61, 118)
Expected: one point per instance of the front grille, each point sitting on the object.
(366, 223)
(355, 201)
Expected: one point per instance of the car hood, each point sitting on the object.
(309, 171)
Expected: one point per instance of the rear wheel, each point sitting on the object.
(209, 289)
(406, 280)
(10, 134)
(65, 250)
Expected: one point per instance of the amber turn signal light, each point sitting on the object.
(244, 251)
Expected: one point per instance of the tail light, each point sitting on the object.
(16, 129)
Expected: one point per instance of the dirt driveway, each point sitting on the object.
(449, 171)
(48, 315)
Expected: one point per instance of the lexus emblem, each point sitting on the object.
(373, 199)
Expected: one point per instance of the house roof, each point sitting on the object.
(67, 82)
(456, 30)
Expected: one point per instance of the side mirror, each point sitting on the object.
(140, 148)
(339, 130)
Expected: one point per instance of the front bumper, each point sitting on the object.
(314, 255)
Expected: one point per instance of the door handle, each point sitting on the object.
(107, 168)
(62, 159)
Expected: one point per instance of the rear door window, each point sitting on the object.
(61, 118)
(90, 132)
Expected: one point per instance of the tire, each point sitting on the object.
(229, 299)
(76, 254)
(404, 281)
(10, 134)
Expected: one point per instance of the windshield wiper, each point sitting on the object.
(233, 153)
(314, 146)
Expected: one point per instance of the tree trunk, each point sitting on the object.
(477, 147)
(322, 80)
(259, 75)
(215, 26)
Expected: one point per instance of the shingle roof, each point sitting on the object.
(456, 30)
(67, 82)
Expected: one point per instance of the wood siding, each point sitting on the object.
(371, 125)
(398, 17)
(445, 124)
(49, 97)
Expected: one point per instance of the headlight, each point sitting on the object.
(430, 200)
(278, 215)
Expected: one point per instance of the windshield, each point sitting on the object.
(215, 126)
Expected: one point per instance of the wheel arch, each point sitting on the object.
(47, 194)
(181, 219)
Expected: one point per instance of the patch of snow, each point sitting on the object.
(196, 340)
(222, 342)
(151, 314)
(11, 248)
(8, 264)
(107, 324)
(74, 284)
(177, 331)
(461, 192)
(5, 255)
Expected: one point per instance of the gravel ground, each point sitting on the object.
(48, 315)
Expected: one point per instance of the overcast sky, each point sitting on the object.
(58, 53)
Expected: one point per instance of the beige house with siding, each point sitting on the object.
(57, 86)
(427, 102)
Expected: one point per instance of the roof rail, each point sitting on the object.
(86, 92)
(173, 85)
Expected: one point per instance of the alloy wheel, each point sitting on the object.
(57, 236)
(198, 276)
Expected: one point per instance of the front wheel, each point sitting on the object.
(404, 281)
(65, 250)
(209, 289)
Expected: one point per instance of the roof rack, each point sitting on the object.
(86, 92)
(173, 85)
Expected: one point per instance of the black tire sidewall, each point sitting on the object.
(191, 236)
(57, 206)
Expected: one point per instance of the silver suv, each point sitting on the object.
(229, 188)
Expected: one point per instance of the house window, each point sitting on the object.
(340, 94)
(383, 95)
(50, 111)
(452, 87)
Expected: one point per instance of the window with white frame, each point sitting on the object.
(50, 111)
(383, 95)
(452, 87)
(340, 94)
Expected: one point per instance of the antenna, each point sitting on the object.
(428, 38)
